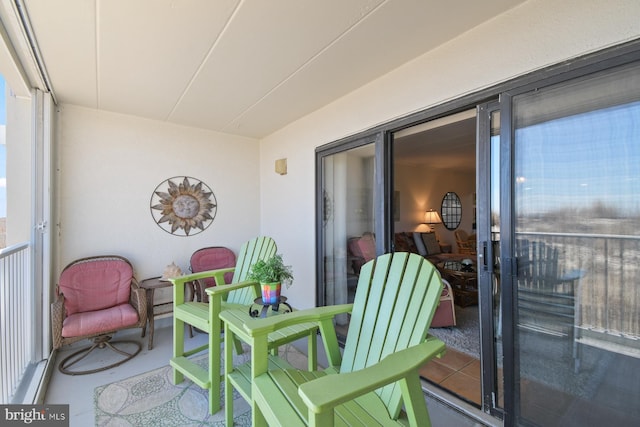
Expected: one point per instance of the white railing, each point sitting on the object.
(16, 318)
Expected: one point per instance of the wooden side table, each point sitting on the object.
(157, 305)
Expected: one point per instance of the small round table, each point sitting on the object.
(279, 307)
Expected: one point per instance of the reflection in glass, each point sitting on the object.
(577, 228)
(348, 179)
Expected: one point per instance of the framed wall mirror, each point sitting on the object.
(451, 210)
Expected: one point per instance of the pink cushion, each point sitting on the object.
(444, 315)
(212, 259)
(95, 285)
(96, 322)
(366, 247)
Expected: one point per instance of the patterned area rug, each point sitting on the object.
(465, 336)
(151, 399)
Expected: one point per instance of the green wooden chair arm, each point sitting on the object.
(263, 326)
(225, 289)
(347, 386)
(218, 275)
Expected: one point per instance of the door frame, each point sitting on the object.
(591, 63)
(484, 189)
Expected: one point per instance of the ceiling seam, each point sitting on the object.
(301, 67)
(97, 50)
(205, 59)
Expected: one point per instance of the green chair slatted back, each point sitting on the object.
(396, 298)
(205, 316)
(250, 252)
(375, 381)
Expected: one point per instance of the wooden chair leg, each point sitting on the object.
(178, 347)
(214, 368)
(228, 367)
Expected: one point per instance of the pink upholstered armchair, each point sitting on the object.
(96, 297)
(211, 258)
(445, 314)
(361, 249)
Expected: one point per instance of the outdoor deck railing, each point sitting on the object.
(608, 292)
(16, 318)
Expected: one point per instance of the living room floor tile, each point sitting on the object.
(464, 386)
(436, 372)
(454, 359)
(472, 369)
(457, 372)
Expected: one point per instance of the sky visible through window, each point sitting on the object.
(581, 161)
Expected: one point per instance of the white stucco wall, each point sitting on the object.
(110, 164)
(534, 35)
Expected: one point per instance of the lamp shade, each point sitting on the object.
(432, 217)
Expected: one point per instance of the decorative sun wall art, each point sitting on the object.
(183, 206)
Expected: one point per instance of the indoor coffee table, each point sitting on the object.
(463, 280)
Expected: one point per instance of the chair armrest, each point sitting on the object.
(262, 326)
(138, 299)
(446, 289)
(180, 282)
(225, 289)
(348, 386)
(57, 317)
(218, 275)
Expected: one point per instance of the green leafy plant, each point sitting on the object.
(271, 271)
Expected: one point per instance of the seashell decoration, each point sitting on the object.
(171, 271)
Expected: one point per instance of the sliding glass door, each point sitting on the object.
(347, 229)
(557, 209)
(571, 259)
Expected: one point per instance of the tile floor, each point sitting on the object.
(457, 372)
(77, 391)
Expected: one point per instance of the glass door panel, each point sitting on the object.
(348, 223)
(576, 243)
(434, 172)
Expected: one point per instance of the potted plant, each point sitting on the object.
(271, 273)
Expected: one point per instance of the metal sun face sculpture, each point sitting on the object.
(184, 208)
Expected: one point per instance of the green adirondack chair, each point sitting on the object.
(239, 294)
(376, 381)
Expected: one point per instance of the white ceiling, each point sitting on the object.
(246, 67)
(445, 143)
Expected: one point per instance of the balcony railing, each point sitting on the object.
(608, 292)
(16, 319)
